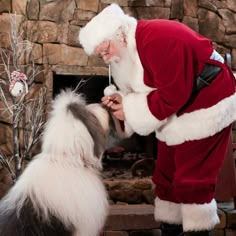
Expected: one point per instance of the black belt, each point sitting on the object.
(207, 75)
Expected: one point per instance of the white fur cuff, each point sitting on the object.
(168, 212)
(126, 133)
(199, 124)
(138, 115)
(197, 217)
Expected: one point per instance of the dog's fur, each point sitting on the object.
(61, 193)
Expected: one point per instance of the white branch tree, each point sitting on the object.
(26, 115)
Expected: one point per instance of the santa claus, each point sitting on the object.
(172, 82)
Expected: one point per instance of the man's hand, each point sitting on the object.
(114, 104)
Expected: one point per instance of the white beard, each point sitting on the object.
(127, 72)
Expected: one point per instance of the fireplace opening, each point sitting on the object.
(123, 158)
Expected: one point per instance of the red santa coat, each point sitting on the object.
(172, 55)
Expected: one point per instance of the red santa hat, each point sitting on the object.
(103, 27)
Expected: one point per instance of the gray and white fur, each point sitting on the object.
(61, 193)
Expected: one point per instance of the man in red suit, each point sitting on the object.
(172, 82)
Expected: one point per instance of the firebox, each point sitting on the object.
(135, 154)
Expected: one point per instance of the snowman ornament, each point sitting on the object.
(18, 84)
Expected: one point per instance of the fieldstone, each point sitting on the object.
(231, 5)
(177, 9)
(73, 35)
(3, 189)
(230, 40)
(190, 8)
(60, 11)
(229, 20)
(131, 217)
(137, 3)
(41, 31)
(152, 13)
(89, 5)
(81, 15)
(33, 9)
(122, 3)
(19, 7)
(84, 70)
(191, 23)
(5, 6)
(5, 27)
(62, 54)
(62, 33)
(221, 4)
(95, 61)
(142, 3)
(209, 5)
(126, 195)
(149, 196)
(6, 115)
(143, 184)
(210, 25)
(5, 132)
(6, 179)
(7, 148)
(118, 184)
(36, 54)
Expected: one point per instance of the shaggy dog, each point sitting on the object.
(60, 192)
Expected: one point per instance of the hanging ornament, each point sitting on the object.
(111, 89)
(18, 84)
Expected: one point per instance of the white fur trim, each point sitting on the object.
(126, 133)
(102, 27)
(198, 124)
(167, 212)
(138, 115)
(197, 217)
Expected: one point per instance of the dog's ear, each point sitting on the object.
(94, 120)
(101, 114)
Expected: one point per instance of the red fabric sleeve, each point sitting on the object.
(170, 66)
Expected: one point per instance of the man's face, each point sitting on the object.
(109, 51)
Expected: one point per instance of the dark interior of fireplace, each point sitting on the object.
(136, 154)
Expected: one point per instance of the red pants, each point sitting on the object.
(187, 173)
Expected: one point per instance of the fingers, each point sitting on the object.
(119, 114)
(116, 97)
(110, 101)
(116, 106)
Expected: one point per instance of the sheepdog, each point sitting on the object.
(61, 192)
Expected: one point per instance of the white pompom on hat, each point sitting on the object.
(103, 26)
